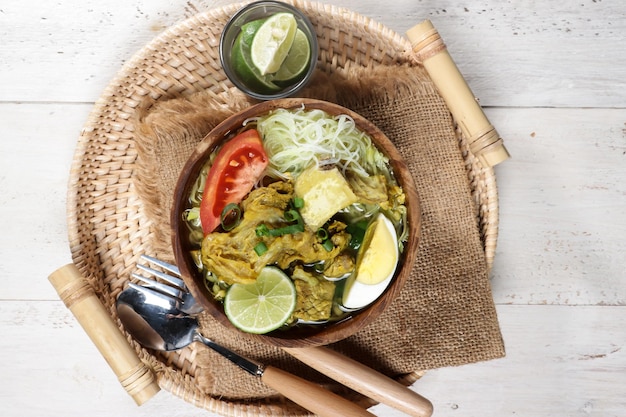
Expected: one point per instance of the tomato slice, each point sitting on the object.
(238, 165)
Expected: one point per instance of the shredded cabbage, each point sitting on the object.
(295, 138)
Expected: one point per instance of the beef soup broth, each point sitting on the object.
(315, 211)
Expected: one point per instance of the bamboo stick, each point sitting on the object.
(135, 376)
(484, 141)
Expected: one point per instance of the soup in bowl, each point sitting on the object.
(295, 221)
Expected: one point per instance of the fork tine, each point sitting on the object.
(165, 289)
(165, 277)
(151, 292)
(171, 286)
(167, 266)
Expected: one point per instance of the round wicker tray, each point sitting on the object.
(107, 227)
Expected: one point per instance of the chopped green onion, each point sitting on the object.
(357, 233)
(322, 234)
(230, 217)
(298, 202)
(328, 245)
(287, 230)
(260, 248)
(291, 216)
(262, 230)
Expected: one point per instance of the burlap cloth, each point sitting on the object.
(445, 315)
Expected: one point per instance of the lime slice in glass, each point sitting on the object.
(272, 42)
(262, 306)
(297, 62)
(242, 63)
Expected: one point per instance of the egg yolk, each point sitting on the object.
(380, 258)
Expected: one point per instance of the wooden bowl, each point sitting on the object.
(306, 335)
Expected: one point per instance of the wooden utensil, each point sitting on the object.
(363, 379)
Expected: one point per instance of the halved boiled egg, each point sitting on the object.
(376, 263)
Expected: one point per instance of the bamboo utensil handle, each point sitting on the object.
(484, 141)
(364, 380)
(313, 397)
(78, 296)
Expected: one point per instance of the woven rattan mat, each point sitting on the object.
(173, 91)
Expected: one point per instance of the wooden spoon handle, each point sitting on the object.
(78, 296)
(311, 396)
(364, 380)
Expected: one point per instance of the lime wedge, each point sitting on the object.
(242, 63)
(297, 61)
(272, 42)
(262, 306)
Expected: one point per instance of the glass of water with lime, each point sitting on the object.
(269, 50)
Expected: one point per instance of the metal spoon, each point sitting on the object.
(154, 321)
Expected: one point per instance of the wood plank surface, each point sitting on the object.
(539, 54)
(561, 361)
(552, 77)
(562, 207)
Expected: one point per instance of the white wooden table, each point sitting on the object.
(552, 78)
